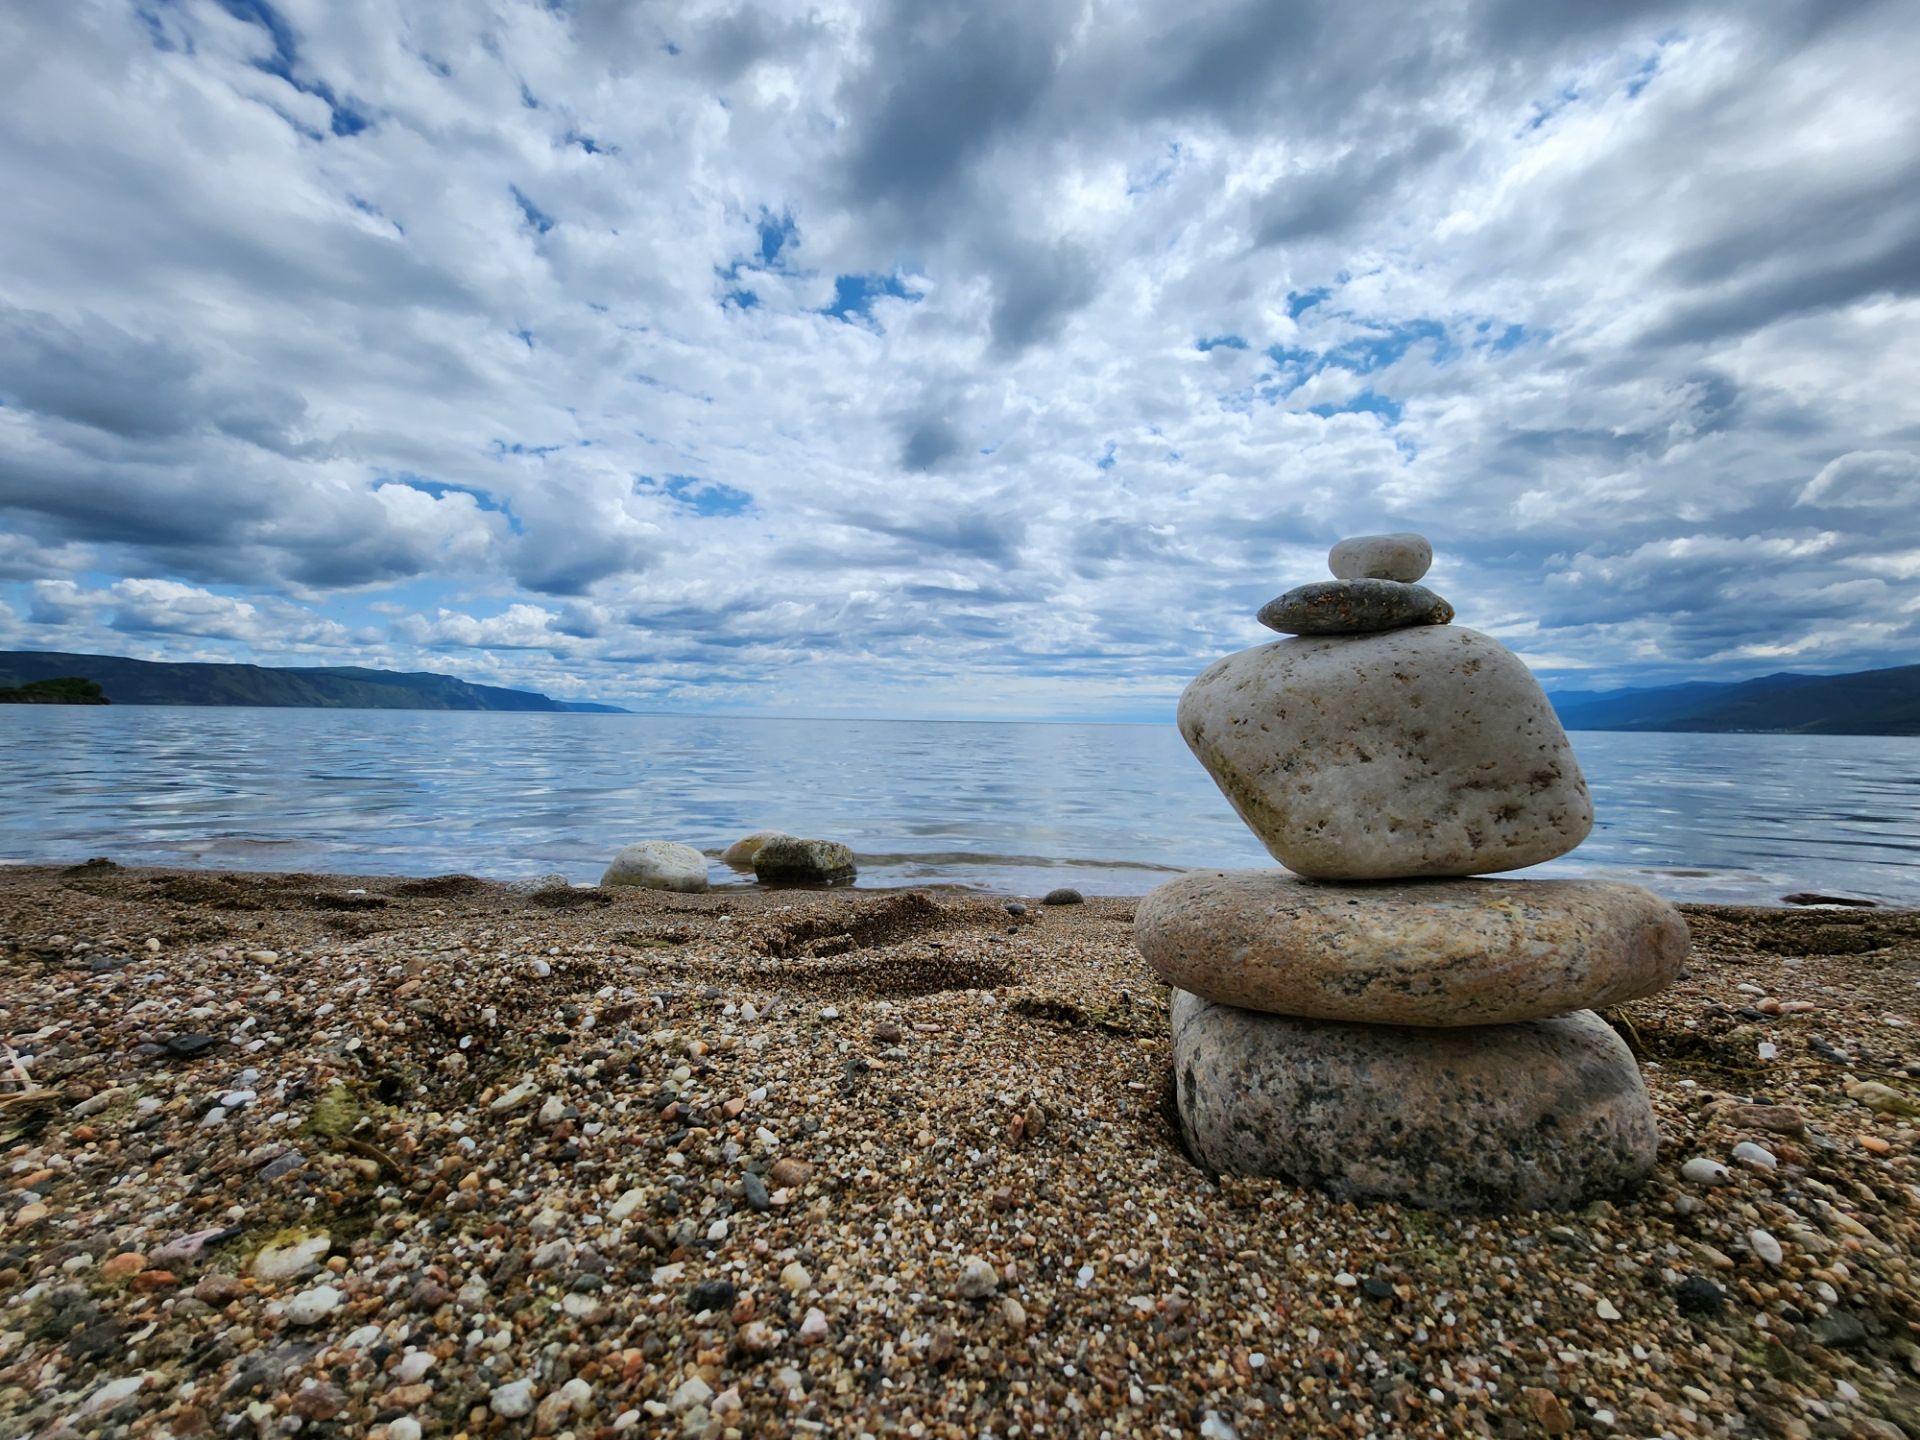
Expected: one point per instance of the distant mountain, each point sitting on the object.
(339, 687)
(1871, 702)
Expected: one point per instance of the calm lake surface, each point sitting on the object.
(1016, 808)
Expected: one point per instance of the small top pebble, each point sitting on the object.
(1403, 557)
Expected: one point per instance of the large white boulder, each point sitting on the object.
(658, 865)
(1427, 751)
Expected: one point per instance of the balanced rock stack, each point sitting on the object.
(1373, 1023)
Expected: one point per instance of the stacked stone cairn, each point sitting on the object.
(1369, 1020)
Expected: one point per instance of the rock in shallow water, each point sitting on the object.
(1354, 607)
(659, 865)
(1430, 751)
(739, 855)
(1547, 1114)
(1402, 557)
(1433, 952)
(783, 860)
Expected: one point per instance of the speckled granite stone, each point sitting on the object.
(1429, 751)
(1420, 952)
(1547, 1114)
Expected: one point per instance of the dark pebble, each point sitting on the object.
(1697, 1296)
(146, 1050)
(1378, 1289)
(887, 1033)
(1354, 607)
(285, 1165)
(712, 1295)
(712, 992)
(187, 1046)
(1014, 907)
(1065, 895)
(756, 1190)
(1837, 1330)
(587, 1283)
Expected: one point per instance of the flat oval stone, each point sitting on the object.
(1423, 952)
(1404, 557)
(1430, 751)
(1354, 607)
(1546, 1114)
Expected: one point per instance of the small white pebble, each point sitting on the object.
(1766, 1247)
(1606, 1309)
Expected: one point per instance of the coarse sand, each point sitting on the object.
(350, 1156)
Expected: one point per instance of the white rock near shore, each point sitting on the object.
(1429, 751)
(659, 865)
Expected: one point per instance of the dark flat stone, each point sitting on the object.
(1697, 1296)
(1354, 607)
(187, 1046)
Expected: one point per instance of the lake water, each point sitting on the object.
(1016, 808)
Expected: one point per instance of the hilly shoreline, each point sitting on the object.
(1869, 702)
(341, 687)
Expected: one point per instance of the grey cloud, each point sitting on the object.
(1037, 289)
(928, 443)
(322, 368)
(941, 86)
(94, 373)
(1327, 202)
(982, 534)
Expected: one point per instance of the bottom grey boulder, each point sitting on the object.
(1543, 1115)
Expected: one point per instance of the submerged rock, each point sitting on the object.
(1546, 1115)
(739, 855)
(783, 860)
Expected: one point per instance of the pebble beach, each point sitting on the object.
(332, 1155)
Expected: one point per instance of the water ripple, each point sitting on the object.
(1109, 808)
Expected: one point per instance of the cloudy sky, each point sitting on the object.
(996, 358)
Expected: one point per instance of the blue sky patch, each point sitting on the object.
(535, 216)
(777, 233)
(346, 119)
(709, 499)
(1365, 403)
(853, 295)
(1301, 301)
(1220, 342)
